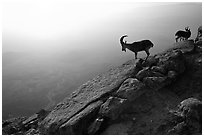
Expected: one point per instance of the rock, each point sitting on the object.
(138, 65)
(151, 61)
(191, 108)
(118, 129)
(5, 123)
(30, 119)
(143, 73)
(113, 107)
(147, 72)
(179, 129)
(186, 46)
(175, 62)
(31, 122)
(156, 74)
(198, 39)
(191, 111)
(95, 126)
(159, 69)
(42, 114)
(123, 101)
(172, 74)
(13, 126)
(92, 90)
(156, 82)
(23, 125)
(79, 123)
(32, 131)
(131, 89)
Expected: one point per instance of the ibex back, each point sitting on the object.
(136, 47)
(183, 35)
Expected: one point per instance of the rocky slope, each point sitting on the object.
(160, 96)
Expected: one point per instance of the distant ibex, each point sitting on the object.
(183, 35)
(136, 47)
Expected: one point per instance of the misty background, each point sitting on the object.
(52, 47)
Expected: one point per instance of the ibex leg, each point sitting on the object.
(135, 55)
(177, 39)
(147, 52)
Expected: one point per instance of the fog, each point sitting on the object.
(50, 26)
(51, 47)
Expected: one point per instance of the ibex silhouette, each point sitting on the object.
(136, 47)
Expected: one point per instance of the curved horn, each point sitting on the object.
(187, 28)
(121, 39)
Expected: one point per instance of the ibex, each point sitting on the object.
(136, 47)
(183, 35)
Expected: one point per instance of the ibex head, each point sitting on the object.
(187, 28)
(123, 43)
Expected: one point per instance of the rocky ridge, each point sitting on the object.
(139, 97)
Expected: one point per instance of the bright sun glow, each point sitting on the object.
(48, 18)
(39, 25)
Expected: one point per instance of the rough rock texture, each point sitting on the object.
(131, 89)
(96, 89)
(189, 117)
(23, 125)
(79, 123)
(12, 126)
(198, 39)
(112, 107)
(136, 98)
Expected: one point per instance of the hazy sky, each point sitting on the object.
(59, 25)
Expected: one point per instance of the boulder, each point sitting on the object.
(138, 65)
(159, 69)
(179, 129)
(95, 126)
(175, 62)
(151, 61)
(42, 114)
(198, 39)
(116, 102)
(30, 120)
(98, 87)
(113, 107)
(143, 73)
(32, 131)
(79, 123)
(156, 82)
(172, 74)
(190, 110)
(13, 126)
(131, 89)
(147, 72)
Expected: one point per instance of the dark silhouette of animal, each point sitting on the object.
(136, 47)
(183, 35)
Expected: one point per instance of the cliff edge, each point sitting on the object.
(159, 96)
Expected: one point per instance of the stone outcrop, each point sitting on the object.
(190, 114)
(23, 125)
(107, 97)
(131, 89)
(139, 97)
(94, 90)
(198, 39)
